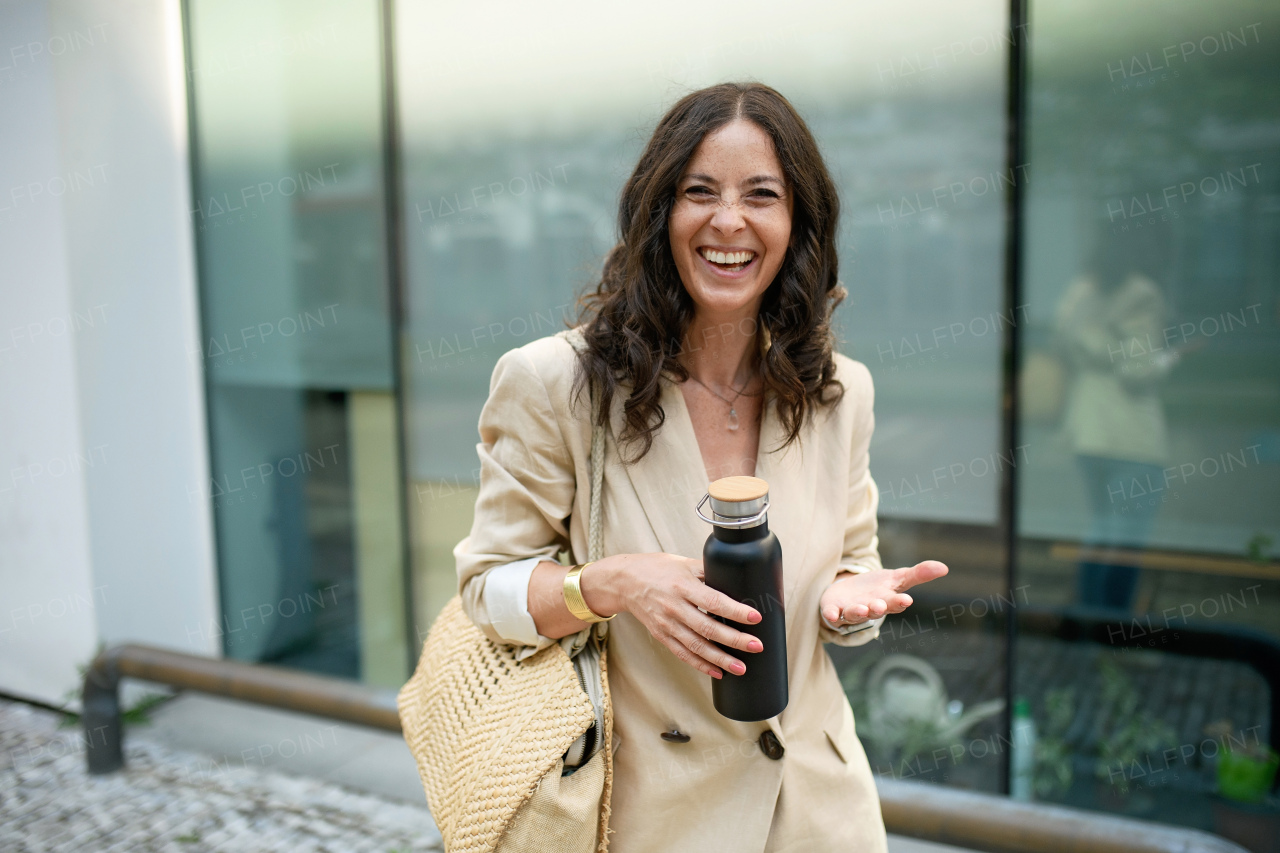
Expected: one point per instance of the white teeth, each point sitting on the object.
(730, 258)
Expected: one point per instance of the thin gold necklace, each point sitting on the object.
(733, 411)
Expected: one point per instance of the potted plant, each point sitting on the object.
(1245, 776)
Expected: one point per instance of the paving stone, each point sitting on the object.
(168, 800)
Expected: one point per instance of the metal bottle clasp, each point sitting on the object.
(726, 521)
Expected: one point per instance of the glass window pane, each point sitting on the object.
(289, 218)
(1151, 406)
(515, 154)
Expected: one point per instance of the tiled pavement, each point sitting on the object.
(173, 800)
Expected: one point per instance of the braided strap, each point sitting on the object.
(595, 521)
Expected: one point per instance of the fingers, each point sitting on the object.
(682, 652)
(874, 609)
(674, 615)
(718, 632)
(919, 573)
(851, 615)
(707, 655)
(719, 604)
(895, 603)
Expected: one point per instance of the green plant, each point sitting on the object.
(1256, 548)
(1053, 769)
(1246, 775)
(138, 715)
(1129, 735)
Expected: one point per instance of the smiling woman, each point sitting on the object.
(729, 169)
(707, 349)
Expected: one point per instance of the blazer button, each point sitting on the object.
(675, 736)
(769, 745)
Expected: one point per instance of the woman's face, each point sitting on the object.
(731, 222)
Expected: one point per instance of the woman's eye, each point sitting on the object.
(698, 192)
(764, 195)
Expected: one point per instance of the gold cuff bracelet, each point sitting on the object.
(573, 597)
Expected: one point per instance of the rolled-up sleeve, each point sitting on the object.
(527, 489)
(506, 601)
(861, 541)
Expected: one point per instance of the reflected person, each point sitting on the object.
(1109, 325)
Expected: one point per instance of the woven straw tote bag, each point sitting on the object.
(489, 733)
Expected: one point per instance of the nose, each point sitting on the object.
(727, 219)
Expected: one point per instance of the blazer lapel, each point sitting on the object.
(792, 477)
(670, 479)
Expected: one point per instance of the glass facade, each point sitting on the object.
(1151, 406)
(1148, 424)
(290, 223)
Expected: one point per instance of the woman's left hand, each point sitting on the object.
(870, 595)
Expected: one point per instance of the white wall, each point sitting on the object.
(105, 533)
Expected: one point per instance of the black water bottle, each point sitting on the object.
(743, 560)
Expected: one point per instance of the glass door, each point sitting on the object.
(297, 347)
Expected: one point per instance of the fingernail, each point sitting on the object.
(738, 668)
(715, 673)
(755, 646)
(754, 617)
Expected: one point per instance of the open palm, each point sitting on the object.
(870, 595)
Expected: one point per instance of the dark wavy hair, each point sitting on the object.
(637, 316)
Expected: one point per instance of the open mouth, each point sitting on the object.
(727, 261)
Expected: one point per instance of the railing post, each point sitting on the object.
(104, 748)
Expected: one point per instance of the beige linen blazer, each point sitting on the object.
(719, 791)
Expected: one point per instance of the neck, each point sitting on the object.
(722, 351)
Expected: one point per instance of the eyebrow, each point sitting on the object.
(754, 181)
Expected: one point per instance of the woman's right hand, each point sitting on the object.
(667, 594)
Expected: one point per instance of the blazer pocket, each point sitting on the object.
(841, 733)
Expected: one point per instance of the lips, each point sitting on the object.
(727, 260)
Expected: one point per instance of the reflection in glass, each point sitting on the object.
(1114, 420)
(1150, 651)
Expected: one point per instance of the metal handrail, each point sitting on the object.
(334, 698)
(1001, 825)
(928, 812)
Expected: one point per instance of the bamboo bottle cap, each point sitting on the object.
(738, 489)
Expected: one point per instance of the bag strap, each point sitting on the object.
(595, 513)
(574, 643)
(585, 647)
(595, 522)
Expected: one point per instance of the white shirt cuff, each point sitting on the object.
(506, 600)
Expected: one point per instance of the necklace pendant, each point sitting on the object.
(733, 419)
